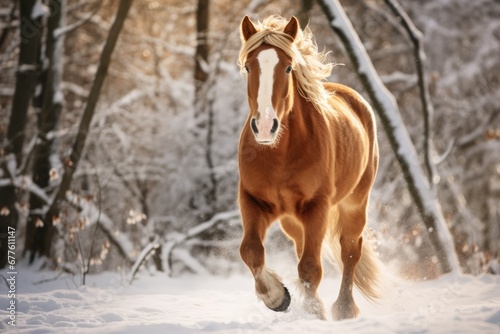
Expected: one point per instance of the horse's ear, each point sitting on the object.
(292, 28)
(247, 29)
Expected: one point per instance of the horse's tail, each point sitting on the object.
(368, 273)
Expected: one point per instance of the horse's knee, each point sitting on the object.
(252, 253)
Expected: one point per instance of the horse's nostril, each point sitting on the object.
(275, 125)
(253, 124)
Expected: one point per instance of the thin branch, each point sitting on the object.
(66, 29)
(439, 160)
(427, 108)
(470, 138)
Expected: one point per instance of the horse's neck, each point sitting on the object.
(301, 118)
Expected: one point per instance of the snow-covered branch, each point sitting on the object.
(26, 183)
(151, 247)
(178, 238)
(68, 28)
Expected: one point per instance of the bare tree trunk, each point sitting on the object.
(303, 15)
(71, 165)
(385, 105)
(427, 108)
(30, 30)
(203, 103)
(201, 54)
(48, 119)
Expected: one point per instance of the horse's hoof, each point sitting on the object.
(344, 311)
(315, 307)
(284, 304)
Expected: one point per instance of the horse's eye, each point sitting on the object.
(289, 69)
(247, 69)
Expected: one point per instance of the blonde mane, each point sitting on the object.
(309, 65)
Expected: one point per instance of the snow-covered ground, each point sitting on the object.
(47, 303)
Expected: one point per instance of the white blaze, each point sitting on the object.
(267, 62)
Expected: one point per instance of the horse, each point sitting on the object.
(307, 157)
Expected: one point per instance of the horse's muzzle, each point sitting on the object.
(265, 129)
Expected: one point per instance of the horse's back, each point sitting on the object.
(355, 102)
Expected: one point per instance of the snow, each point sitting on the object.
(27, 68)
(155, 303)
(39, 10)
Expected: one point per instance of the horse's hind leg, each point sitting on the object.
(294, 230)
(268, 285)
(352, 223)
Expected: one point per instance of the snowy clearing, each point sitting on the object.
(193, 304)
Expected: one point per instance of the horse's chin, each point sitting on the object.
(266, 142)
(271, 143)
(270, 140)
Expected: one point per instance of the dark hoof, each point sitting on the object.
(285, 303)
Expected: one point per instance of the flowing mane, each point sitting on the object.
(310, 65)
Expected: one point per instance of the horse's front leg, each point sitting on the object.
(268, 285)
(314, 219)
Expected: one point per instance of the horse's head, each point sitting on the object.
(269, 81)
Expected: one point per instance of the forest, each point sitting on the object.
(120, 121)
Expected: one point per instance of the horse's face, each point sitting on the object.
(269, 91)
(269, 85)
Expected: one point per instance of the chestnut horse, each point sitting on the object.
(308, 157)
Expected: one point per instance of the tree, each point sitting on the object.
(388, 111)
(31, 15)
(201, 53)
(51, 100)
(203, 104)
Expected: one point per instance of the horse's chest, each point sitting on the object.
(283, 189)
